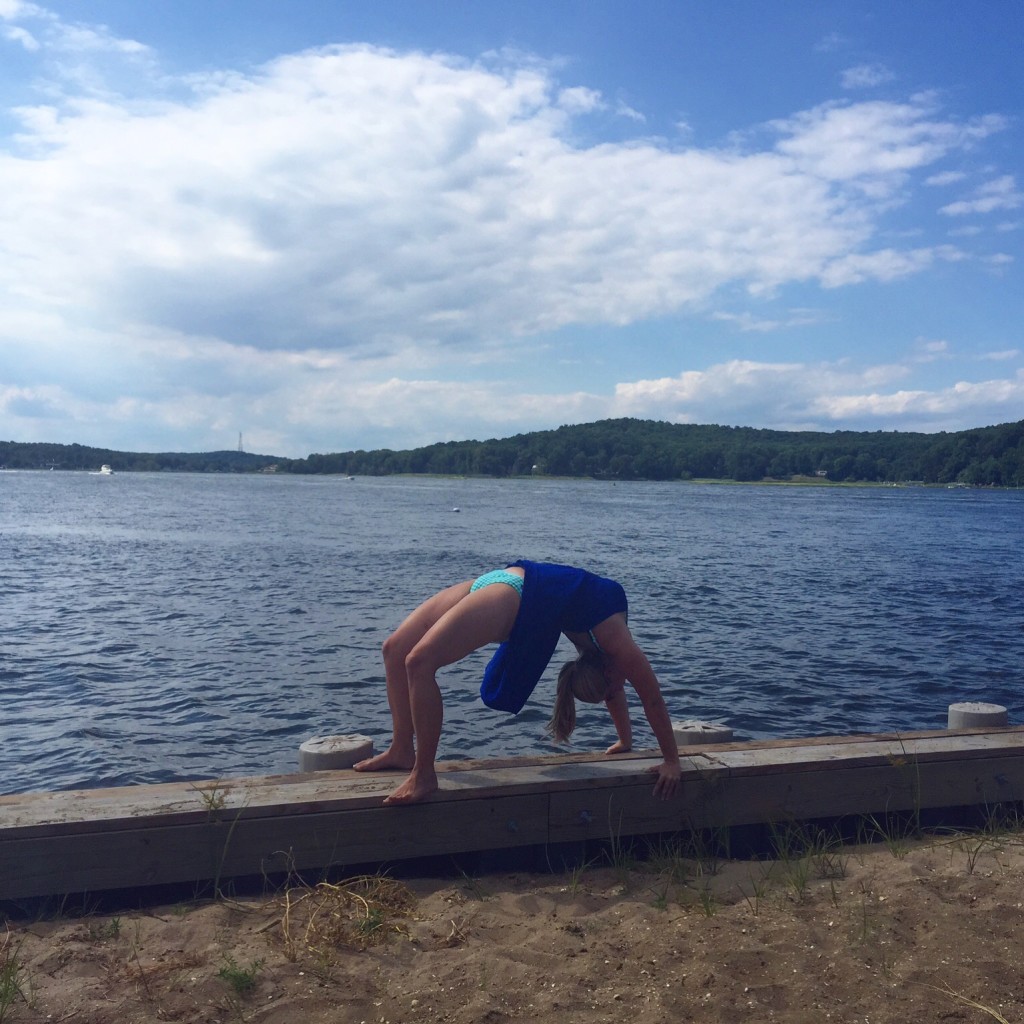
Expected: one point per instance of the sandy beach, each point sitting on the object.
(922, 929)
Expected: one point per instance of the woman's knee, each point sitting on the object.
(394, 650)
(419, 663)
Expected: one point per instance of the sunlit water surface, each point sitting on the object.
(158, 627)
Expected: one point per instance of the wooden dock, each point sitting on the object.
(140, 836)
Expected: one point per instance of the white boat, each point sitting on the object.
(105, 470)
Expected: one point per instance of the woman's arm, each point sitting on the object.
(631, 663)
(618, 708)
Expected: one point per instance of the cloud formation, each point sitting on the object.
(796, 395)
(994, 196)
(866, 76)
(328, 245)
(353, 197)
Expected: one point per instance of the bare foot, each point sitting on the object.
(415, 788)
(390, 760)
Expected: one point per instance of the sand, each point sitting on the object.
(900, 931)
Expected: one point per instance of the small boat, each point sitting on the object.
(105, 470)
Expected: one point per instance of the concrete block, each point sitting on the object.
(689, 733)
(326, 753)
(976, 715)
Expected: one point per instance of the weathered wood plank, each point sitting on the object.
(180, 803)
(999, 735)
(724, 800)
(232, 847)
(184, 832)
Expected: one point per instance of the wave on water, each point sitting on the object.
(163, 627)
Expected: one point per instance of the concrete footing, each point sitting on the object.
(689, 733)
(327, 753)
(975, 715)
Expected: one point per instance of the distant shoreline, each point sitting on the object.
(619, 450)
(800, 481)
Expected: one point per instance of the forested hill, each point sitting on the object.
(623, 449)
(629, 449)
(38, 455)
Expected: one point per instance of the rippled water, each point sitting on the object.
(159, 627)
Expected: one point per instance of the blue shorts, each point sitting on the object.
(555, 599)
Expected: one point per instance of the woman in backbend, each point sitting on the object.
(524, 608)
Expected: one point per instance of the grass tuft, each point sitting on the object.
(241, 979)
(12, 977)
(356, 913)
(995, 1014)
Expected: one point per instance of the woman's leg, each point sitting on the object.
(401, 753)
(481, 618)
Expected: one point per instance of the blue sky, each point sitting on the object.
(344, 225)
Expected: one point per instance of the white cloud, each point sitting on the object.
(886, 264)
(12, 9)
(817, 396)
(749, 322)
(1000, 194)
(309, 249)
(21, 36)
(61, 37)
(16, 10)
(830, 43)
(945, 178)
(79, 60)
(965, 231)
(579, 100)
(982, 399)
(344, 196)
(625, 110)
(927, 351)
(873, 145)
(866, 76)
(751, 392)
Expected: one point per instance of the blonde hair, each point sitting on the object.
(581, 679)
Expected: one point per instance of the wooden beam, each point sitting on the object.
(91, 840)
(225, 847)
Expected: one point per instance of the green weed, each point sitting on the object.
(667, 858)
(1002, 826)
(12, 977)
(241, 979)
(896, 832)
(707, 900)
(101, 931)
(709, 848)
(213, 797)
(620, 856)
(759, 888)
(373, 921)
(576, 875)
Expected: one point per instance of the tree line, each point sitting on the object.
(632, 449)
(41, 455)
(620, 449)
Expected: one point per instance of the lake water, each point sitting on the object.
(157, 627)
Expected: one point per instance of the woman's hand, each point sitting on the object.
(669, 779)
(619, 747)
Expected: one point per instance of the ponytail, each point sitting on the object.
(563, 715)
(583, 678)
